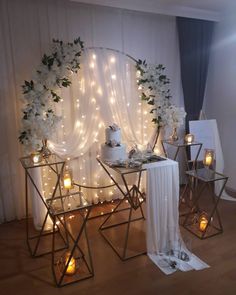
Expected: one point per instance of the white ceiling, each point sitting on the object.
(203, 9)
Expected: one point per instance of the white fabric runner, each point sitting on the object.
(163, 233)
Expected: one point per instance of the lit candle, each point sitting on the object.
(36, 157)
(203, 223)
(67, 179)
(189, 138)
(71, 268)
(208, 157)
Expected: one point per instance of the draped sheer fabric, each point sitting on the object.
(107, 93)
(104, 92)
(26, 30)
(163, 234)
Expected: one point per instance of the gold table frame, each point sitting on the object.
(133, 196)
(56, 164)
(186, 147)
(181, 144)
(207, 177)
(58, 217)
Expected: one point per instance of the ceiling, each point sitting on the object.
(203, 9)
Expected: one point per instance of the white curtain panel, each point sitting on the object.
(103, 92)
(26, 30)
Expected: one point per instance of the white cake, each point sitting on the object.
(113, 150)
(112, 154)
(112, 135)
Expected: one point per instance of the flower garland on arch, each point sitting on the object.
(153, 84)
(40, 94)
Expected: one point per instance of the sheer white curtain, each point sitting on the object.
(103, 92)
(26, 30)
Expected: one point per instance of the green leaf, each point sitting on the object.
(151, 102)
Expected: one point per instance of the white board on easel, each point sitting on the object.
(206, 132)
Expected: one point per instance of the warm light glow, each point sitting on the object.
(92, 65)
(189, 138)
(99, 91)
(203, 223)
(208, 157)
(78, 123)
(112, 59)
(67, 179)
(71, 268)
(157, 151)
(112, 100)
(36, 157)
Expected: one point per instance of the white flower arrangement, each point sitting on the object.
(153, 85)
(39, 120)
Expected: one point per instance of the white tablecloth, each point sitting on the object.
(163, 217)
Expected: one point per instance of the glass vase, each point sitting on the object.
(45, 150)
(174, 135)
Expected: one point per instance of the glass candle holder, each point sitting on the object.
(67, 179)
(189, 138)
(208, 157)
(203, 221)
(36, 157)
(71, 268)
(67, 265)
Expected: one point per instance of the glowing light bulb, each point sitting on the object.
(112, 100)
(112, 59)
(99, 91)
(78, 123)
(92, 65)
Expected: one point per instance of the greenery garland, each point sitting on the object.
(40, 94)
(153, 84)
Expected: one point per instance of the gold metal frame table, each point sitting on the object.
(56, 165)
(75, 263)
(132, 194)
(205, 179)
(182, 145)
